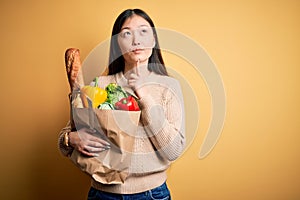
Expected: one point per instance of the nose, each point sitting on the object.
(135, 39)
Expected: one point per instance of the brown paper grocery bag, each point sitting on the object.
(118, 128)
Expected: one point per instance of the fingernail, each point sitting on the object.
(107, 147)
(96, 155)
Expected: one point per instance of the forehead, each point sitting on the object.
(135, 21)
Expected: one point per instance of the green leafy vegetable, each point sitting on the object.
(114, 93)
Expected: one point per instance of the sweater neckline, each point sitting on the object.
(122, 81)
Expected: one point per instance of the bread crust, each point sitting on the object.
(73, 68)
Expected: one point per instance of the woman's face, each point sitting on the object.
(136, 40)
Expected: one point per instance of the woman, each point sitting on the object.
(137, 65)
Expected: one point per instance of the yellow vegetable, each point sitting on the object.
(95, 93)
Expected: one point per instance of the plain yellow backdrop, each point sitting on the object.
(255, 45)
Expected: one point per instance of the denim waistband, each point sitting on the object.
(159, 193)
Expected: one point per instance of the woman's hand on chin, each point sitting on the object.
(137, 78)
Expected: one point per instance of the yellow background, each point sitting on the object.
(255, 45)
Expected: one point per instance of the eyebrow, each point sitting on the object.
(126, 27)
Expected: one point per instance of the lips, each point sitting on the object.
(137, 50)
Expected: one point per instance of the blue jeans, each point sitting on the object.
(159, 193)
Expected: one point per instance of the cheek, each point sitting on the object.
(148, 42)
(124, 45)
(148, 52)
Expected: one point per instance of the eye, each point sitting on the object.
(144, 31)
(126, 34)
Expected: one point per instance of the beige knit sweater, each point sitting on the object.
(160, 137)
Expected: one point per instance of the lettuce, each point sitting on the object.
(114, 93)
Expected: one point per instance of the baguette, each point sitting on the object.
(73, 67)
(75, 77)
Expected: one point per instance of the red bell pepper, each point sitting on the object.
(127, 103)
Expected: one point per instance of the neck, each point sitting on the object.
(132, 68)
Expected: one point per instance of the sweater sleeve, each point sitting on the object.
(164, 121)
(66, 151)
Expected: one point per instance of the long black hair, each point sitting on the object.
(116, 60)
